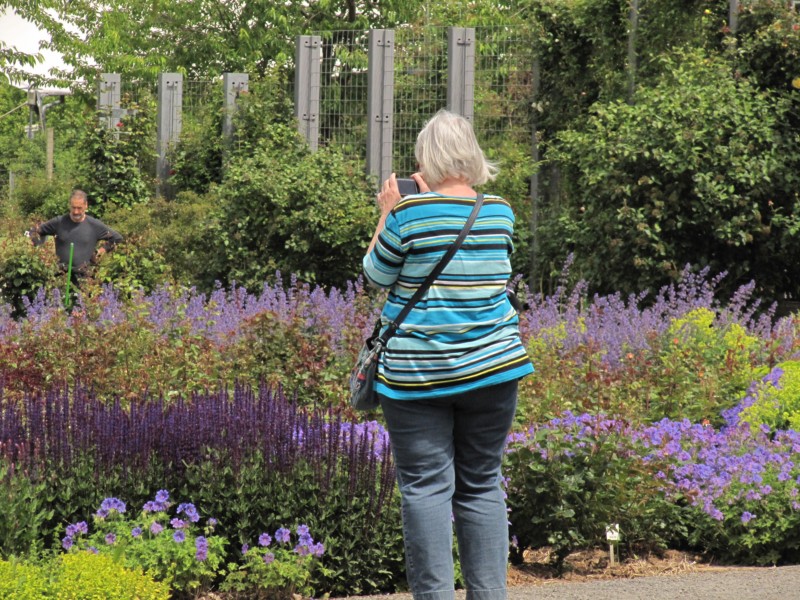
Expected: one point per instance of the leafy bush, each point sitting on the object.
(739, 484)
(569, 479)
(169, 550)
(278, 571)
(285, 208)
(662, 187)
(82, 576)
(178, 230)
(44, 198)
(26, 513)
(774, 401)
(113, 172)
(22, 581)
(24, 270)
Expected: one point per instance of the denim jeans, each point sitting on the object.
(448, 453)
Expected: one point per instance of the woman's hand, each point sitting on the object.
(389, 195)
(423, 187)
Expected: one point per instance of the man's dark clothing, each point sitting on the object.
(84, 235)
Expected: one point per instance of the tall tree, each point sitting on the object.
(196, 37)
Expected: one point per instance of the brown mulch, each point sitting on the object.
(589, 565)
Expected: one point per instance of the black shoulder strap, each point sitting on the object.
(437, 270)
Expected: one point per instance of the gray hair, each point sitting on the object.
(80, 194)
(447, 147)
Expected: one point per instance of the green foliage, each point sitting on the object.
(22, 581)
(284, 208)
(83, 576)
(36, 195)
(273, 571)
(24, 270)
(653, 186)
(176, 234)
(25, 513)
(113, 171)
(197, 38)
(131, 267)
(165, 548)
(777, 406)
(566, 485)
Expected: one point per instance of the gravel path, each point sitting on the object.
(750, 583)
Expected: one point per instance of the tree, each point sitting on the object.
(699, 170)
(200, 38)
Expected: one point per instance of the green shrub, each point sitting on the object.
(116, 162)
(83, 576)
(285, 208)
(87, 576)
(777, 403)
(21, 581)
(570, 479)
(652, 186)
(170, 548)
(24, 270)
(26, 513)
(44, 198)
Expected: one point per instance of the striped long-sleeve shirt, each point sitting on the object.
(463, 334)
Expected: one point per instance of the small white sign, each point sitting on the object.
(612, 533)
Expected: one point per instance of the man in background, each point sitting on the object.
(80, 229)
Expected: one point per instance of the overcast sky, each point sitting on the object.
(25, 36)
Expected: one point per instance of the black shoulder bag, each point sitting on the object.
(362, 377)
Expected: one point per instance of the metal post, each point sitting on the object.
(233, 84)
(733, 16)
(308, 56)
(461, 71)
(108, 98)
(633, 24)
(534, 185)
(380, 103)
(170, 102)
(49, 143)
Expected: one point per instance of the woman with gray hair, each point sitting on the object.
(447, 380)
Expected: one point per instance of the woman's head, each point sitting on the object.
(447, 148)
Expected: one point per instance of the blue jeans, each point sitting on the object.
(449, 453)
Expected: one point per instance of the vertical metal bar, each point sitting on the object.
(733, 16)
(534, 189)
(233, 84)
(380, 103)
(108, 99)
(308, 57)
(49, 143)
(633, 27)
(170, 101)
(461, 71)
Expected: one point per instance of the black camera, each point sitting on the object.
(407, 187)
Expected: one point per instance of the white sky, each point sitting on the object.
(25, 36)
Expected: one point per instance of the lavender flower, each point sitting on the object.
(66, 542)
(747, 517)
(179, 536)
(156, 528)
(111, 539)
(283, 535)
(177, 524)
(269, 558)
(201, 548)
(136, 532)
(264, 540)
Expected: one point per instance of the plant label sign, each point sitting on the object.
(612, 533)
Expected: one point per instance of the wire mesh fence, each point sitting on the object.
(503, 88)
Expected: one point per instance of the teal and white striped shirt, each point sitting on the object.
(463, 334)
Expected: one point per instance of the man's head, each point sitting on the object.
(78, 204)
